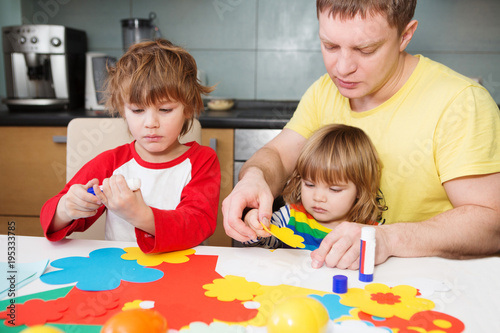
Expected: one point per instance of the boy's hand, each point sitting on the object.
(252, 220)
(78, 203)
(127, 204)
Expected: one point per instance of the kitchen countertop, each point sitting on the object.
(244, 114)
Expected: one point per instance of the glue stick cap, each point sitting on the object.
(339, 284)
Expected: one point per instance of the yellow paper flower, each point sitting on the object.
(138, 304)
(232, 287)
(285, 235)
(132, 305)
(176, 257)
(382, 301)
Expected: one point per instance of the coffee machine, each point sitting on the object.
(44, 67)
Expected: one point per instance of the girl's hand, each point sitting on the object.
(252, 220)
(125, 203)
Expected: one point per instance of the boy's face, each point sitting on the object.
(156, 129)
(328, 203)
(362, 56)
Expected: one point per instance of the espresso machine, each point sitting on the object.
(44, 67)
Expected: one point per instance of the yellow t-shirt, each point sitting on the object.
(439, 126)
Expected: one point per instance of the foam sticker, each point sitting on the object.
(285, 235)
(175, 257)
(103, 269)
(232, 288)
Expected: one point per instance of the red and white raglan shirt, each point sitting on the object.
(183, 194)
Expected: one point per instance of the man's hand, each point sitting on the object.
(340, 248)
(251, 191)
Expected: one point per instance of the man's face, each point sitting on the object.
(362, 56)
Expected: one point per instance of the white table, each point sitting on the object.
(472, 295)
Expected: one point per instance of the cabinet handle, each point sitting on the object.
(60, 138)
(213, 144)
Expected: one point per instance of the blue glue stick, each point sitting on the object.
(133, 183)
(367, 254)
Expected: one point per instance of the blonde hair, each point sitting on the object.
(155, 72)
(398, 12)
(336, 154)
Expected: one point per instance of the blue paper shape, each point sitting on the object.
(332, 304)
(19, 274)
(103, 269)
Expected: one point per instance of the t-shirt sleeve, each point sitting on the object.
(100, 167)
(466, 138)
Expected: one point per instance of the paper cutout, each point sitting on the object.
(103, 269)
(178, 296)
(425, 321)
(380, 300)
(175, 257)
(20, 274)
(32, 313)
(285, 235)
(232, 288)
(181, 293)
(333, 305)
(138, 304)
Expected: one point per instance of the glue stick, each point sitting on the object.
(367, 254)
(133, 183)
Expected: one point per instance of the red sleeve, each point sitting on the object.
(195, 217)
(101, 167)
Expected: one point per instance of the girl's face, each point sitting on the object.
(156, 130)
(328, 203)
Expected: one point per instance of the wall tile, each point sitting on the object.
(99, 19)
(269, 49)
(458, 26)
(288, 25)
(202, 24)
(232, 71)
(285, 75)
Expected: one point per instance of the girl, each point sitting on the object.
(154, 87)
(336, 179)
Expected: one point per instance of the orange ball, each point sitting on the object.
(136, 321)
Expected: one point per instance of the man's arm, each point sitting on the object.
(471, 228)
(261, 179)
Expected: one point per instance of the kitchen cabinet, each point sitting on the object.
(222, 141)
(32, 169)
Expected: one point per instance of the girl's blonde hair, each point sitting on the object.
(336, 154)
(155, 72)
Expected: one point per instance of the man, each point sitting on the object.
(435, 130)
